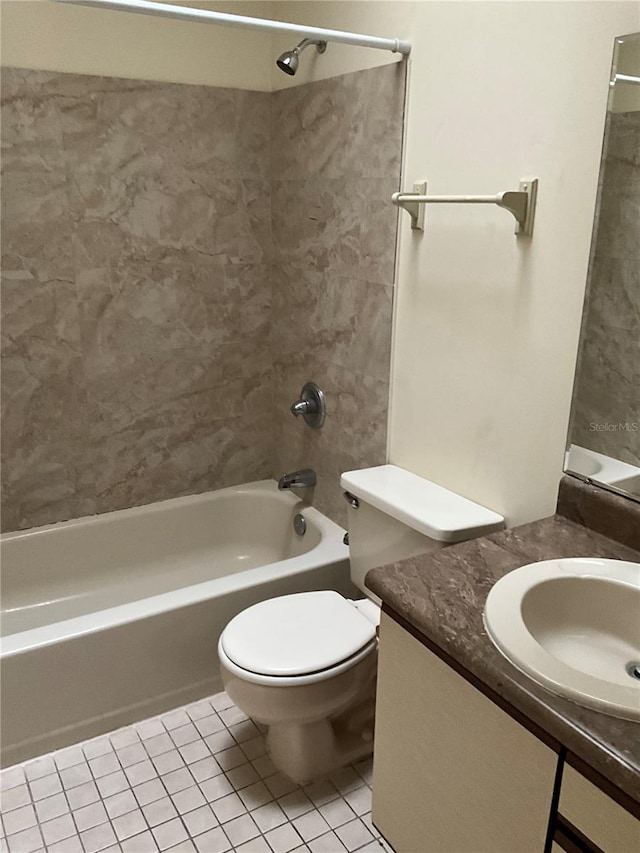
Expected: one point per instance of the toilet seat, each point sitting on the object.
(296, 639)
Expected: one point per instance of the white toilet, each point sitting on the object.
(305, 664)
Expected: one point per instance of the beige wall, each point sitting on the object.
(486, 325)
(53, 37)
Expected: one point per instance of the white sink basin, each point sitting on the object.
(574, 627)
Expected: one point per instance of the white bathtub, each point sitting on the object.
(108, 619)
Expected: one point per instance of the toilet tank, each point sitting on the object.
(394, 514)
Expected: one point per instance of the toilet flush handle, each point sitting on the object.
(352, 500)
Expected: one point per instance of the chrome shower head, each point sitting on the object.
(288, 62)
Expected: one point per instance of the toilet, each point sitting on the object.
(304, 665)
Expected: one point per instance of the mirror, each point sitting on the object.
(604, 433)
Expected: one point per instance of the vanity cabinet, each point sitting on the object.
(452, 771)
(596, 816)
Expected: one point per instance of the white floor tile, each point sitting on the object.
(194, 751)
(311, 825)
(256, 845)
(359, 800)
(336, 813)
(39, 767)
(169, 834)
(354, 834)
(255, 795)
(159, 744)
(209, 725)
(156, 786)
(68, 757)
(141, 772)
(67, 845)
(100, 766)
(124, 737)
(51, 807)
(149, 791)
(120, 804)
(204, 769)
(14, 798)
(26, 841)
(143, 843)
(269, 816)
(130, 824)
(283, 838)
(99, 746)
(329, 843)
(149, 728)
(215, 788)
(295, 804)
(83, 795)
(167, 762)
(175, 719)
(19, 819)
(79, 774)
(58, 829)
(12, 777)
(200, 820)
(47, 786)
(198, 710)
(112, 784)
(159, 811)
(89, 816)
(98, 838)
(241, 777)
(188, 799)
(132, 754)
(213, 841)
(228, 807)
(241, 829)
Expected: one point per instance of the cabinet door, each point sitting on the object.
(596, 815)
(452, 772)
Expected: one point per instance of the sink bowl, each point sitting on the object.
(573, 626)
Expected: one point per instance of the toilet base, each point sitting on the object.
(314, 728)
(305, 752)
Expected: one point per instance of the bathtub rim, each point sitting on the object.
(330, 549)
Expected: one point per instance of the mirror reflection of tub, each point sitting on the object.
(113, 618)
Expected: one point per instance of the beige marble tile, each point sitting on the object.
(178, 260)
(135, 467)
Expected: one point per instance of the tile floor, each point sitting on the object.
(194, 780)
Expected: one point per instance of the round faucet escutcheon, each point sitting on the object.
(311, 405)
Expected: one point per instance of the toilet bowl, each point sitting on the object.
(304, 665)
(314, 689)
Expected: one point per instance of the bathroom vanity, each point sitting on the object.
(472, 755)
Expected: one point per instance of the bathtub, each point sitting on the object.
(112, 618)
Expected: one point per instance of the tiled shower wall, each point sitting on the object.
(336, 161)
(608, 386)
(154, 331)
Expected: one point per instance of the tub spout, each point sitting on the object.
(297, 479)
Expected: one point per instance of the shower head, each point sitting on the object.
(288, 62)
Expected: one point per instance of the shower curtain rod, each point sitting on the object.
(187, 13)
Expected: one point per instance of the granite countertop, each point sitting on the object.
(442, 595)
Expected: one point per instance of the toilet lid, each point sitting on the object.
(296, 634)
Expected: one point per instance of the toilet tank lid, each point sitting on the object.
(420, 504)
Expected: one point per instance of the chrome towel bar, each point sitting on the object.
(521, 203)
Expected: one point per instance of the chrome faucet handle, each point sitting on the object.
(311, 405)
(302, 407)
